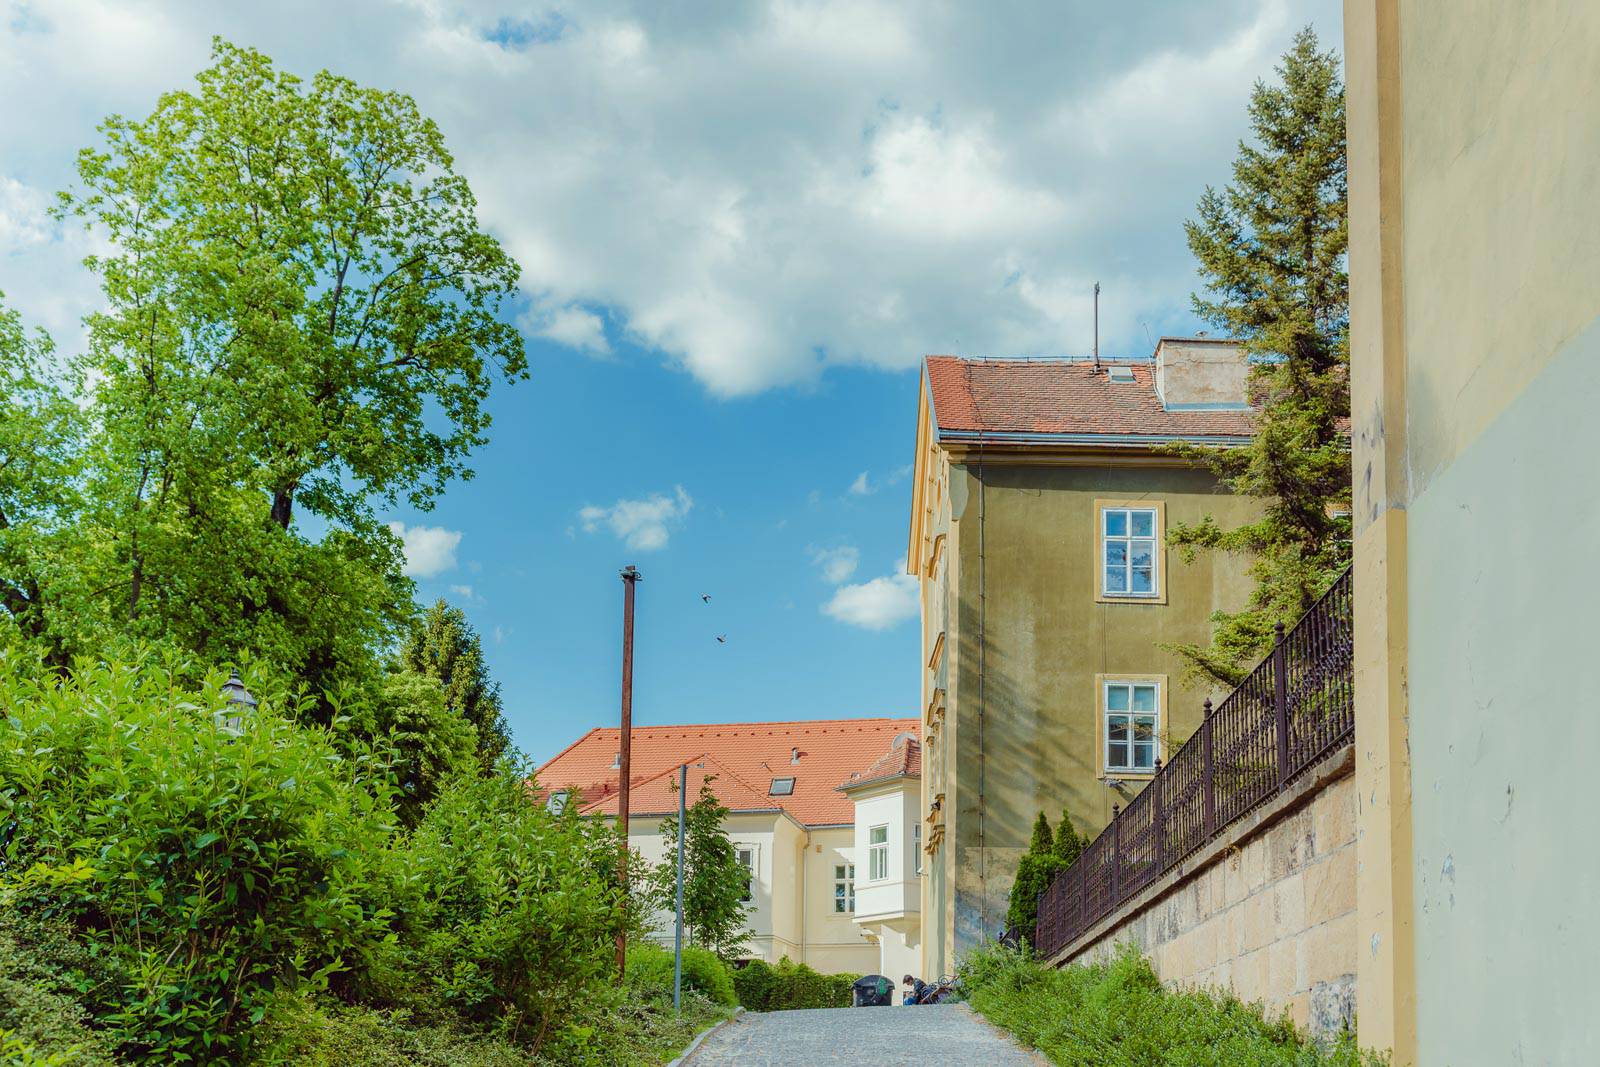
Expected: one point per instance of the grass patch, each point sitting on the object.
(1118, 1014)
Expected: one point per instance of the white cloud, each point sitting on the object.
(572, 326)
(643, 524)
(465, 592)
(861, 487)
(430, 550)
(756, 192)
(836, 564)
(877, 604)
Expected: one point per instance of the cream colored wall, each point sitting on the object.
(1273, 920)
(1475, 340)
(792, 910)
(937, 574)
(833, 941)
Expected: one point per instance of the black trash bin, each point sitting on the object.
(873, 991)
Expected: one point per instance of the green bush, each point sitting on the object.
(41, 1018)
(515, 910)
(650, 972)
(789, 985)
(208, 866)
(616, 1028)
(1118, 1014)
(317, 1032)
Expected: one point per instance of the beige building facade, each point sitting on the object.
(1041, 501)
(1474, 139)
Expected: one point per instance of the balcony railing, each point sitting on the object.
(1295, 709)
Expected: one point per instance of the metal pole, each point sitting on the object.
(677, 937)
(1280, 701)
(630, 578)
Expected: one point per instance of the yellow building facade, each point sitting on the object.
(1041, 501)
(1474, 138)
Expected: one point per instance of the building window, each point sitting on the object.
(844, 888)
(1133, 718)
(747, 860)
(556, 802)
(1128, 541)
(916, 847)
(781, 787)
(877, 853)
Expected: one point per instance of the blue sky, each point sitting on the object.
(739, 228)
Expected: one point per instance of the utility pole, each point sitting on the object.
(630, 578)
(677, 937)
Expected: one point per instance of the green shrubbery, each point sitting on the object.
(178, 891)
(650, 972)
(764, 987)
(1118, 1014)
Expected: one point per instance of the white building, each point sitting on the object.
(824, 813)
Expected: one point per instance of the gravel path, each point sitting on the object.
(949, 1035)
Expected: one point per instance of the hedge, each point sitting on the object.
(789, 985)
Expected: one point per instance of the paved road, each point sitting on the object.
(948, 1035)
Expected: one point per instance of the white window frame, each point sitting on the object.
(916, 847)
(787, 781)
(844, 888)
(556, 802)
(878, 854)
(754, 852)
(1130, 717)
(1128, 541)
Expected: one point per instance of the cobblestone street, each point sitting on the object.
(949, 1035)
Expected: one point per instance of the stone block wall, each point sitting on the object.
(1269, 911)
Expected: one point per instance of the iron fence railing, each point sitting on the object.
(1293, 710)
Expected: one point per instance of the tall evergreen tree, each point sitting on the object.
(1034, 871)
(1068, 844)
(715, 884)
(1271, 248)
(443, 645)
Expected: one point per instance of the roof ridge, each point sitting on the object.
(581, 738)
(750, 723)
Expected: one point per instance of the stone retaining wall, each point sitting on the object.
(1268, 910)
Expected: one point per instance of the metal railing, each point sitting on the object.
(1296, 708)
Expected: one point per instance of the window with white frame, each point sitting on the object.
(747, 860)
(916, 847)
(844, 888)
(1133, 718)
(1128, 557)
(877, 853)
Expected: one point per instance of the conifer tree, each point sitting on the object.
(443, 645)
(1068, 844)
(1034, 871)
(1271, 249)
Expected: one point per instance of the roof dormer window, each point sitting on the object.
(781, 787)
(1119, 374)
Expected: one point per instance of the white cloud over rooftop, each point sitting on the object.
(755, 192)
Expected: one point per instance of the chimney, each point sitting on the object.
(1202, 374)
(794, 755)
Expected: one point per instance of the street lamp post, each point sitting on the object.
(677, 937)
(240, 703)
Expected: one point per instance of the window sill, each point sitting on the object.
(1125, 776)
(1120, 598)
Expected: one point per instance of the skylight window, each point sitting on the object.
(1120, 374)
(781, 787)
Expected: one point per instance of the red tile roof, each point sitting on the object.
(744, 756)
(903, 760)
(1013, 396)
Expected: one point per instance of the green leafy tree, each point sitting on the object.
(1034, 871)
(715, 884)
(301, 317)
(428, 742)
(40, 446)
(443, 645)
(1271, 248)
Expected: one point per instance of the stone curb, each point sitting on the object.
(700, 1038)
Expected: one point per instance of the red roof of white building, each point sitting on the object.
(746, 759)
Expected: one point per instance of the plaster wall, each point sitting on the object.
(899, 893)
(1023, 729)
(1272, 919)
(1475, 340)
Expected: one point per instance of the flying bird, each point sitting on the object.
(706, 597)
(722, 639)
